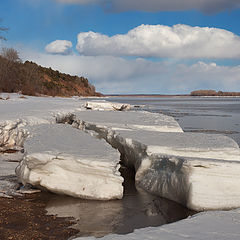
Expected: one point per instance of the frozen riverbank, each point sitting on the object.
(196, 170)
(184, 167)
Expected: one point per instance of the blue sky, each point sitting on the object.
(120, 64)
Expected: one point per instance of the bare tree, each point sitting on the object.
(10, 54)
(2, 29)
(8, 66)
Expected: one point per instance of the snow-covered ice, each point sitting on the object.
(198, 145)
(37, 110)
(102, 105)
(67, 161)
(197, 170)
(16, 113)
(131, 120)
(200, 171)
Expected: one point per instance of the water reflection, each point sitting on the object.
(96, 218)
(137, 209)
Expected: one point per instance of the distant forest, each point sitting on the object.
(213, 93)
(32, 79)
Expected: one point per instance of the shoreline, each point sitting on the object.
(166, 96)
(25, 218)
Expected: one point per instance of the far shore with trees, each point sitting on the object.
(213, 93)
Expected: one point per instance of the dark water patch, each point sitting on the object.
(175, 114)
(137, 209)
(211, 131)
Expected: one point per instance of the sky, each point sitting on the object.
(131, 46)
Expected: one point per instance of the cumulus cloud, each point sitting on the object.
(117, 75)
(208, 6)
(178, 41)
(59, 47)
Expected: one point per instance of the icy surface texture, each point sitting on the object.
(210, 225)
(199, 171)
(106, 106)
(11, 135)
(197, 145)
(131, 120)
(16, 113)
(67, 161)
(37, 110)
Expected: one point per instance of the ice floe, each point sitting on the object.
(102, 105)
(199, 171)
(16, 113)
(131, 120)
(63, 160)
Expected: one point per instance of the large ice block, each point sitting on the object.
(67, 161)
(17, 112)
(197, 145)
(197, 170)
(200, 171)
(131, 120)
(106, 106)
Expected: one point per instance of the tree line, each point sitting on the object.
(213, 93)
(32, 79)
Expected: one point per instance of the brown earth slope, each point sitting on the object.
(32, 79)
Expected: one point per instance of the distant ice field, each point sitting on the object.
(195, 114)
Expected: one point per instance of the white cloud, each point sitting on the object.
(208, 6)
(59, 47)
(117, 75)
(178, 41)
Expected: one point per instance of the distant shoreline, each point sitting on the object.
(196, 93)
(146, 95)
(163, 95)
